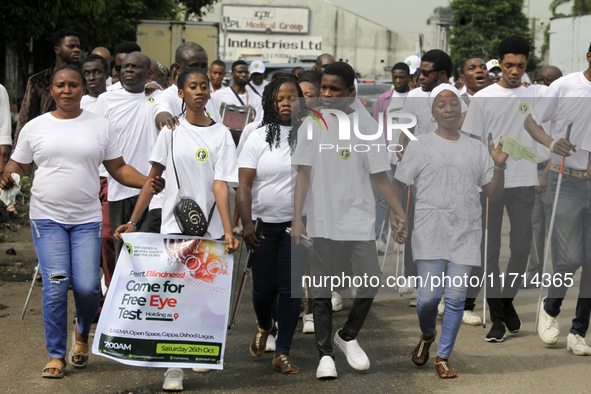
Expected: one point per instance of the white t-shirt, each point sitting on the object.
(568, 100)
(115, 86)
(225, 95)
(131, 114)
(5, 120)
(341, 205)
(88, 103)
(396, 105)
(502, 112)
(271, 190)
(417, 103)
(169, 101)
(202, 155)
(448, 212)
(259, 88)
(68, 153)
(248, 130)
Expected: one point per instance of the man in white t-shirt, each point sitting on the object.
(121, 51)
(106, 54)
(131, 114)
(237, 94)
(474, 76)
(337, 185)
(567, 101)
(95, 70)
(388, 103)
(500, 110)
(257, 82)
(168, 105)
(436, 68)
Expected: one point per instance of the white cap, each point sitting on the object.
(413, 62)
(256, 66)
(492, 63)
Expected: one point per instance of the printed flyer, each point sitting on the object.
(168, 303)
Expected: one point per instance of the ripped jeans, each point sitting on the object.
(68, 255)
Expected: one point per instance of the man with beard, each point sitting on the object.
(38, 100)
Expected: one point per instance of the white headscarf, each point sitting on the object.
(440, 88)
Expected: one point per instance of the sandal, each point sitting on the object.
(281, 362)
(445, 370)
(78, 349)
(55, 364)
(259, 342)
(420, 355)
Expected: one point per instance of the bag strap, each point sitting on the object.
(178, 183)
(254, 90)
(177, 175)
(237, 96)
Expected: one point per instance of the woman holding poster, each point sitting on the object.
(265, 192)
(68, 145)
(446, 167)
(205, 161)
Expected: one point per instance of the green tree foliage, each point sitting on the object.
(98, 22)
(478, 26)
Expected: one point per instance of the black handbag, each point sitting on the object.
(187, 213)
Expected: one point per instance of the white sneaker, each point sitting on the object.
(173, 380)
(271, 345)
(356, 357)
(308, 323)
(201, 370)
(408, 290)
(577, 345)
(472, 319)
(326, 368)
(548, 329)
(441, 307)
(413, 298)
(413, 302)
(337, 302)
(381, 246)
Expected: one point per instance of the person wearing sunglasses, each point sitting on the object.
(494, 71)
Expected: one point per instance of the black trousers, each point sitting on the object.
(519, 202)
(326, 260)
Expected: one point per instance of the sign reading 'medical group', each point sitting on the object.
(292, 20)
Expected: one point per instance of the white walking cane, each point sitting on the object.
(486, 247)
(30, 290)
(485, 266)
(551, 227)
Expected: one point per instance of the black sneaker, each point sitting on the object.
(512, 320)
(496, 333)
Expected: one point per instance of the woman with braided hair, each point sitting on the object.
(264, 191)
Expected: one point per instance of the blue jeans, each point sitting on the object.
(68, 255)
(454, 301)
(572, 229)
(275, 274)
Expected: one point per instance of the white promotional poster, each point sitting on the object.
(168, 302)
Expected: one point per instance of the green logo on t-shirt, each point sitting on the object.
(202, 155)
(150, 99)
(523, 108)
(345, 153)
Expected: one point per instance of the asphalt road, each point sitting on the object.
(520, 364)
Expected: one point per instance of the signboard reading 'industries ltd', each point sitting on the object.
(260, 19)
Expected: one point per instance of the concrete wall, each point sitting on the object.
(367, 46)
